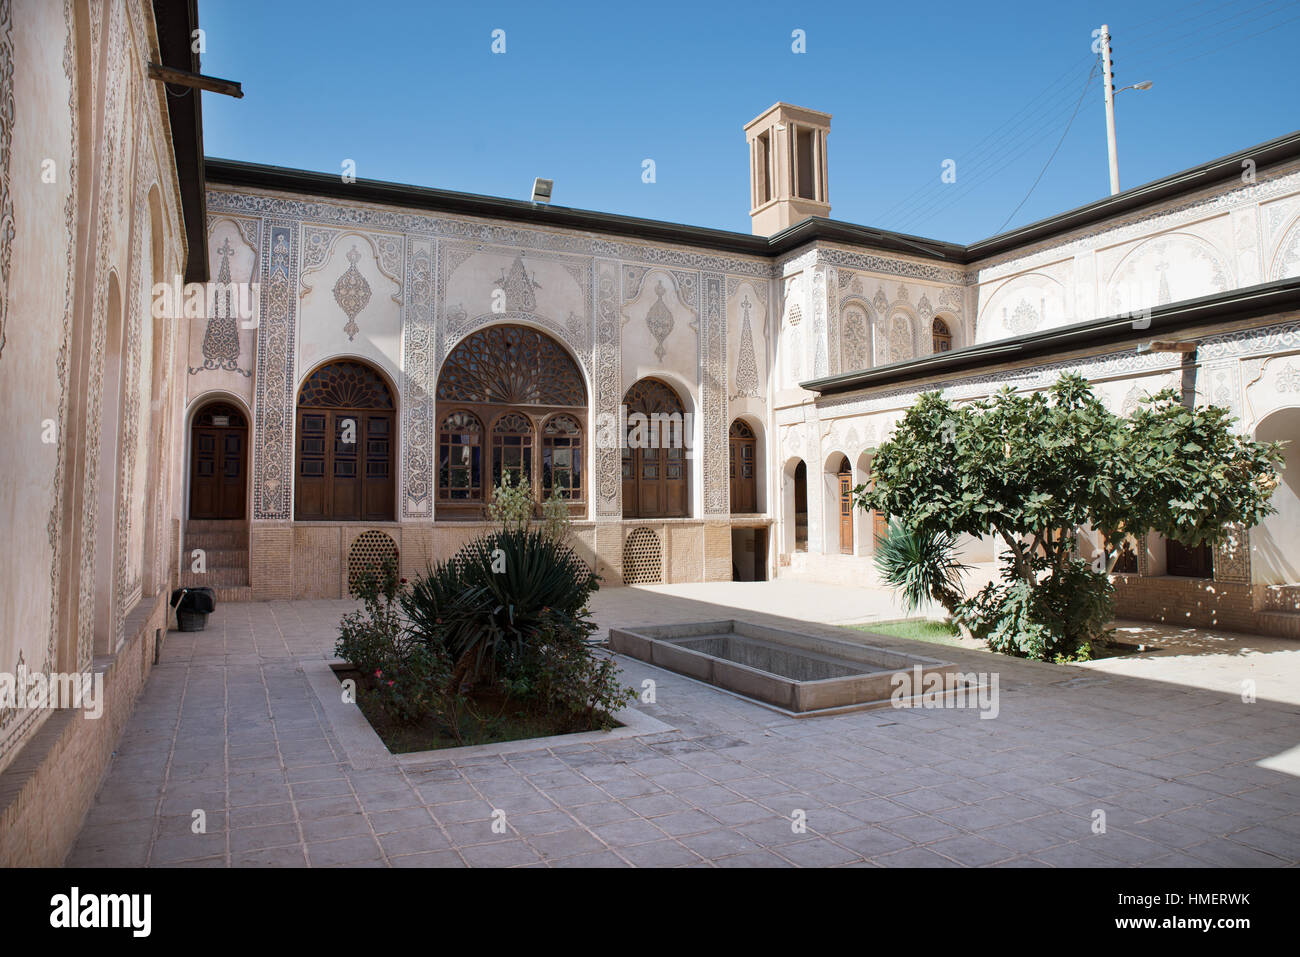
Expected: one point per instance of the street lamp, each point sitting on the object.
(1108, 88)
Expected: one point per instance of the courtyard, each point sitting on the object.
(1152, 760)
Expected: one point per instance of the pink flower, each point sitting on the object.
(390, 684)
(378, 673)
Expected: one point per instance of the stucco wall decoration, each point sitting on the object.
(352, 293)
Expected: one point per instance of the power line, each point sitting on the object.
(1008, 155)
(978, 147)
(989, 149)
(1086, 88)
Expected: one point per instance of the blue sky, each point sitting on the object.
(585, 92)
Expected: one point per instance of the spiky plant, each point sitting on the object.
(922, 567)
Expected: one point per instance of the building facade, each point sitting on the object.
(358, 363)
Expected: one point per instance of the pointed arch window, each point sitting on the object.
(940, 336)
(510, 399)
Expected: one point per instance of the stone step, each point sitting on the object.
(1284, 624)
(215, 525)
(218, 557)
(225, 540)
(214, 578)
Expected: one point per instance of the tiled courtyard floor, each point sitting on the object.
(230, 724)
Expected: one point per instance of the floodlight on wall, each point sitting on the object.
(542, 190)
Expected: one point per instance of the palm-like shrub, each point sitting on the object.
(495, 597)
(922, 567)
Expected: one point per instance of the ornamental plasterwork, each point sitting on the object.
(221, 336)
(889, 266)
(747, 384)
(273, 455)
(1142, 278)
(659, 320)
(352, 293)
(7, 229)
(519, 287)
(351, 216)
(1149, 223)
(418, 351)
(1266, 339)
(713, 397)
(608, 384)
(1286, 264)
(1114, 364)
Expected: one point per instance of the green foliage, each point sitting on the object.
(923, 567)
(1033, 468)
(1056, 619)
(494, 598)
(512, 503)
(555, 517)
(406, 677)
(559, 667)
(411, 682)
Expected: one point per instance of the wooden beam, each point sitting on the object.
(1165, 345)
(195, 80)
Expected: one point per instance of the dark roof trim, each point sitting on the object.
(1270, 153)
(176, 23)
(812, 229)
(1265, 299)
(331, 185)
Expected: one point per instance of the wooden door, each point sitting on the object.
(846, 508)
(654, 461)
(879, 527)
(743, 469)
(218, 463)
(345, 463)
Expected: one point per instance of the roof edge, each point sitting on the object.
(1281, 295)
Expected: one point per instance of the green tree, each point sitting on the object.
(1032, 468)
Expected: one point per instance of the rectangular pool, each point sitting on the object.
(797, 672)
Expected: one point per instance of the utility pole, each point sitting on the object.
(1108, 87)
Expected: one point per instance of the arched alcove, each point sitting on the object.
(1275, 544)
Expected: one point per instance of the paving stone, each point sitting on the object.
(343, 853)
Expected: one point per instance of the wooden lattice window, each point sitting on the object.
(460, 458)
(517, 381)
(940, 336)
(642, 561)
(511, 365)
(562, 457)
(345, 446)
(512, 449)
(369, 553)
(744, 468)
(655, 483)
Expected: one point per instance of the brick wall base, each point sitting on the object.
(1195, 602)
(49, 786)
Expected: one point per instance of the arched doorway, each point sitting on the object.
(844, 483)
(346, 430)
(218, 462)
(744, 468)
(801, 507)
(510, 400)
(655, 480)
(1275, 552)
